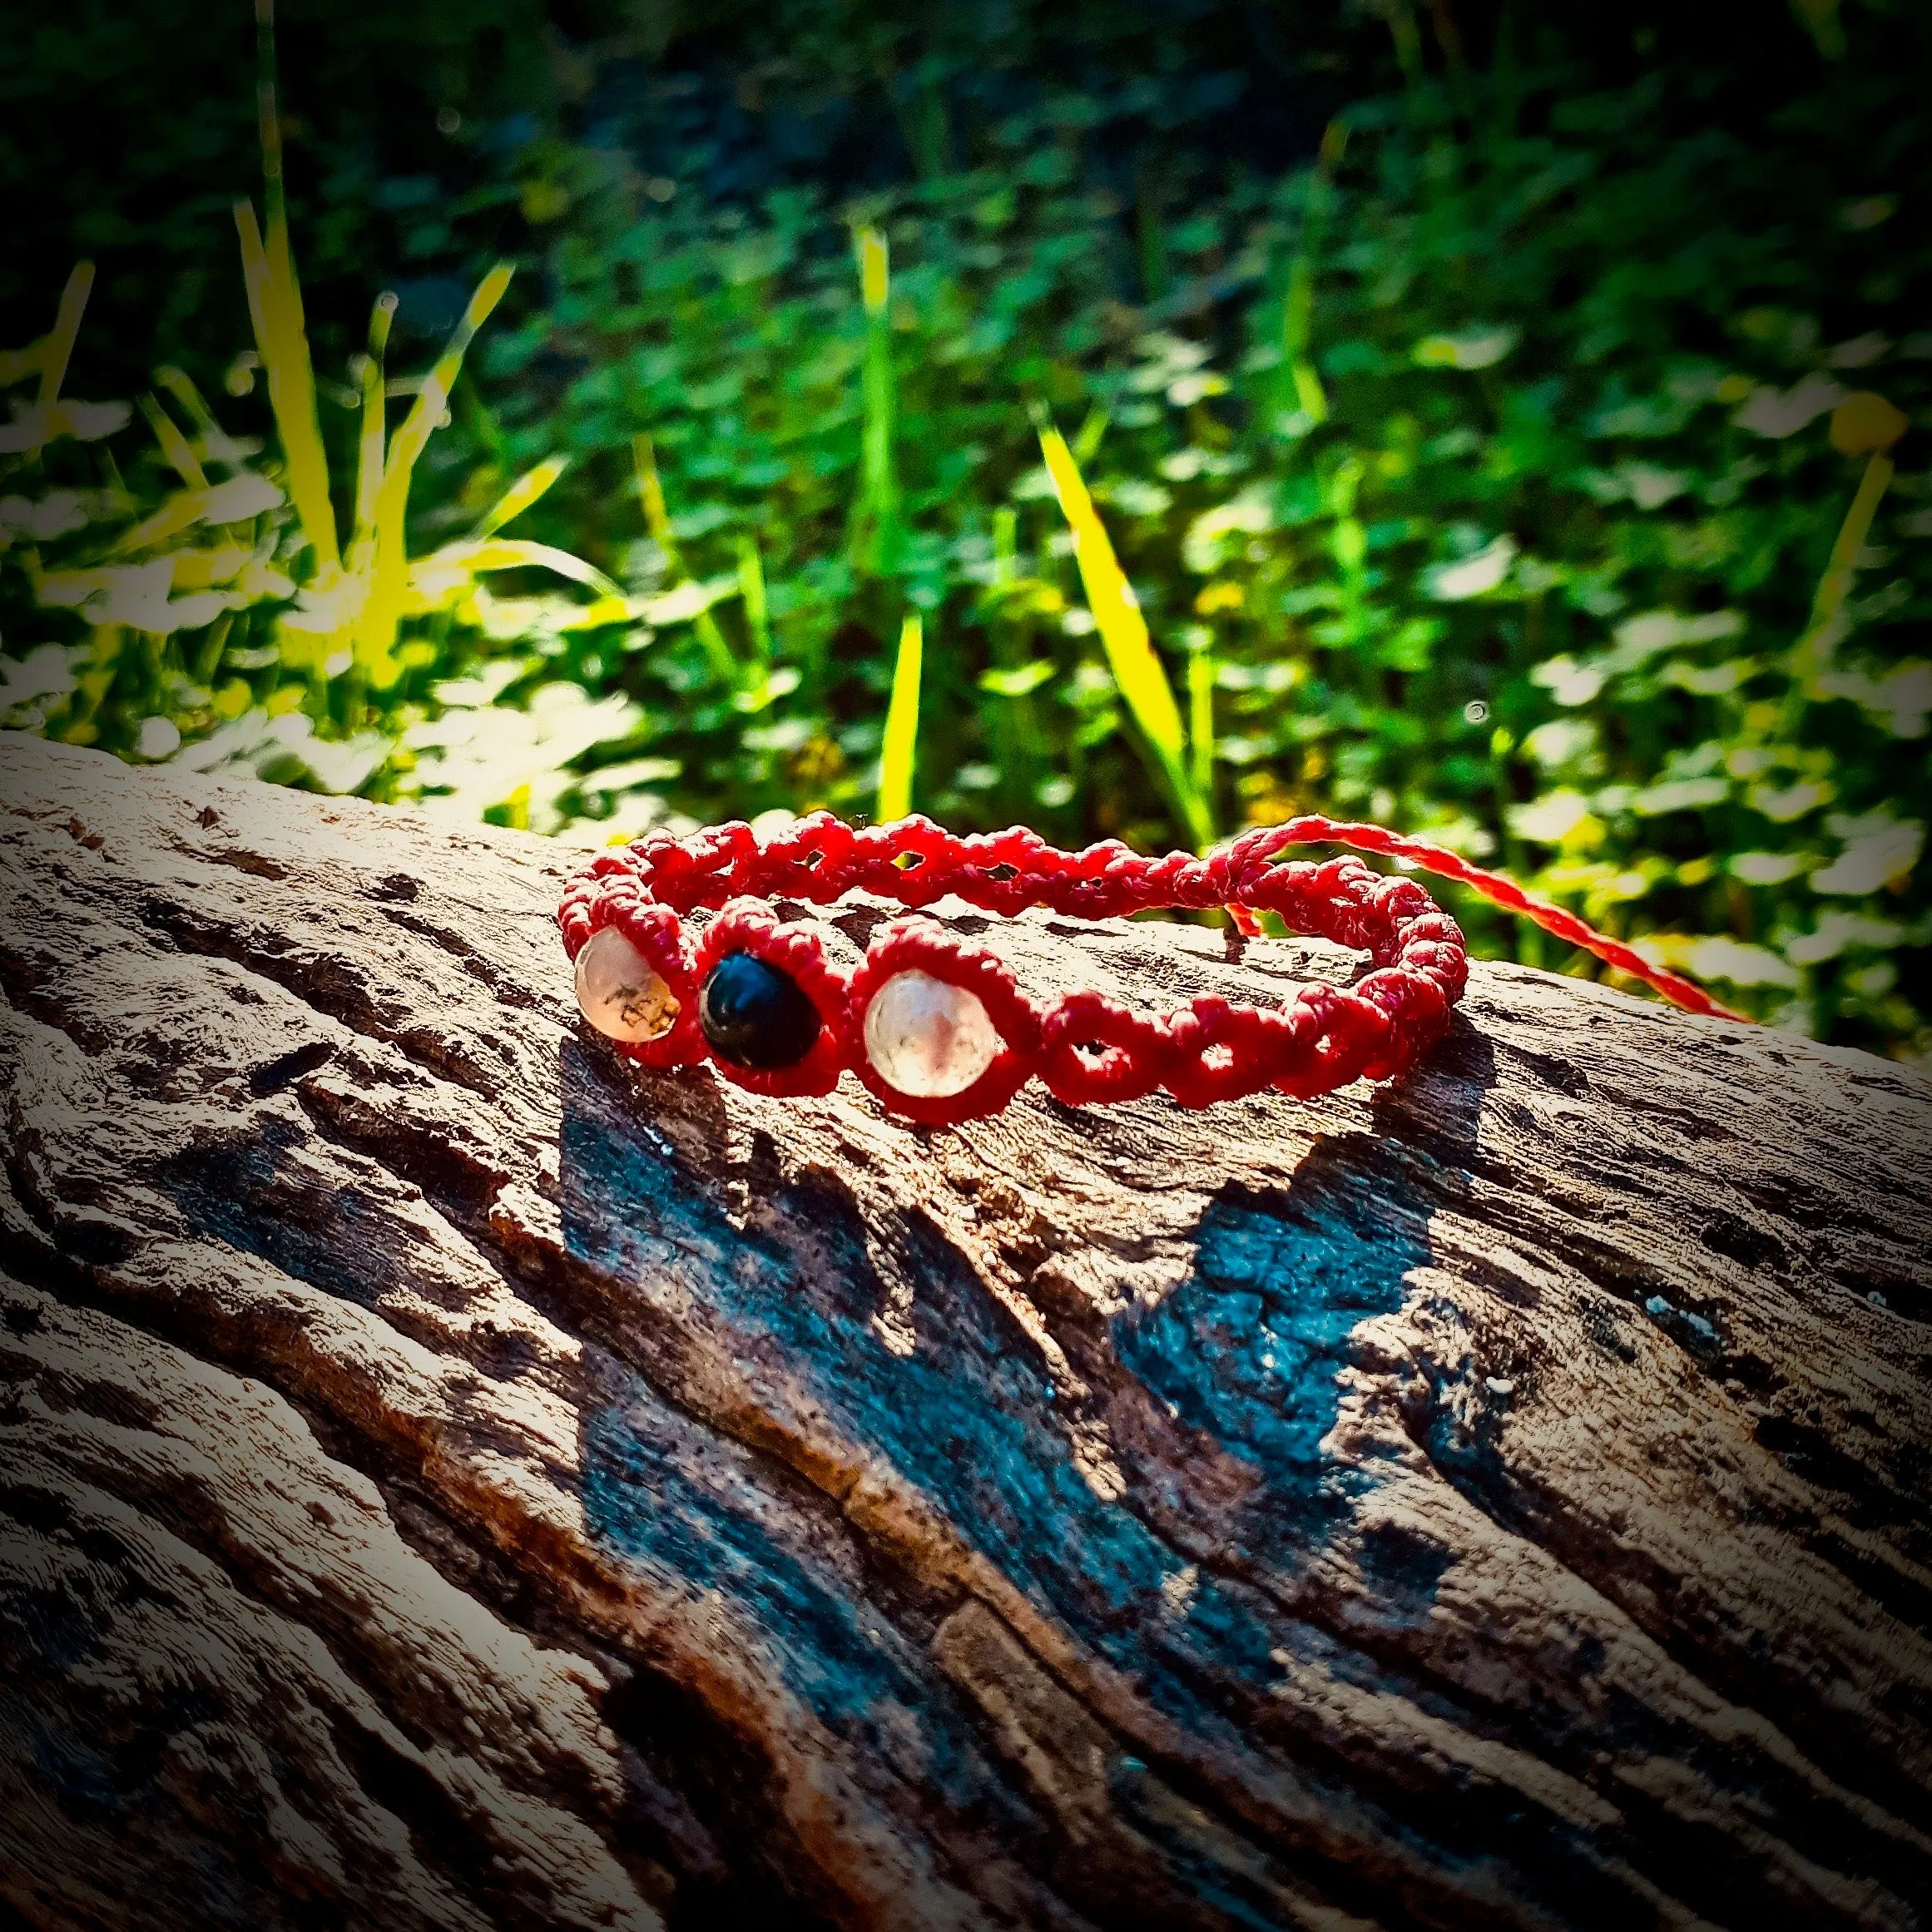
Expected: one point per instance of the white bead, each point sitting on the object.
(928, 1037)
(621, 992)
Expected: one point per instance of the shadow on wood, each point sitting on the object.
(449, 1477)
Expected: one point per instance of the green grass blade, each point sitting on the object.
(898, 752)
(1005, 546)
(876, 545)
(217, 445)
(1201, 720)
(751, 589)
(651, 496)
(1811, 653)
(1086, 438)
(1137, 672)
(275, 306)
(724, 665)
(1297, 313)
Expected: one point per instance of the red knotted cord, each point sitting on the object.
(1084, 1046)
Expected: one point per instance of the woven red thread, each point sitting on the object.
(1084, 1046)
(1131, 1055)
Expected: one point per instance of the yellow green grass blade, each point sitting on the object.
(174, 446)
(522, 494)
(658, 521)
(723, 662)
(175, 382)
(876, 534)
(874, 271)
(651, 495)
(59, 346)
(370, 451)
(217, 445)
(433, 398)
(1139, 674)
(752, 590)
(17, 364)
(1201, 720)
(898, 752)
(181, 512)
(510, 553)
(238, 500)
(1086, 438)
(384, 610)
(1865, 424)
(274, 306)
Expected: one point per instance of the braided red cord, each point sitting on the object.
(1085, 1046)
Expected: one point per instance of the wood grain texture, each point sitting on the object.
(450, 1478)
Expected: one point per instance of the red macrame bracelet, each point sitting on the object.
(760, 1000)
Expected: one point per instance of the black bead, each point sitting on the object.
(755, 1016)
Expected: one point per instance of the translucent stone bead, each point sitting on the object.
(927, 1037)
(622, 993)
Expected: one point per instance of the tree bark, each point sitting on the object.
(450, 1477)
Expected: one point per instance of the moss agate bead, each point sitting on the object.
(621, 993)
(755, 1016)
(927, 1037)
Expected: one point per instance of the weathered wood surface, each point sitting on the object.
(451, 1478)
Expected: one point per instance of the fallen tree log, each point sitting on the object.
(450, 1477)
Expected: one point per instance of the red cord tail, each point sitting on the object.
(1312, 830)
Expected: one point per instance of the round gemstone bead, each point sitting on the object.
(755, 1016)
(622, 993)
(928, 1037)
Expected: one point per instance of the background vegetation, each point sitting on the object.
(1465, 395)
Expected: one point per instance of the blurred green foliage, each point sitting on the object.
(1475, 475)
